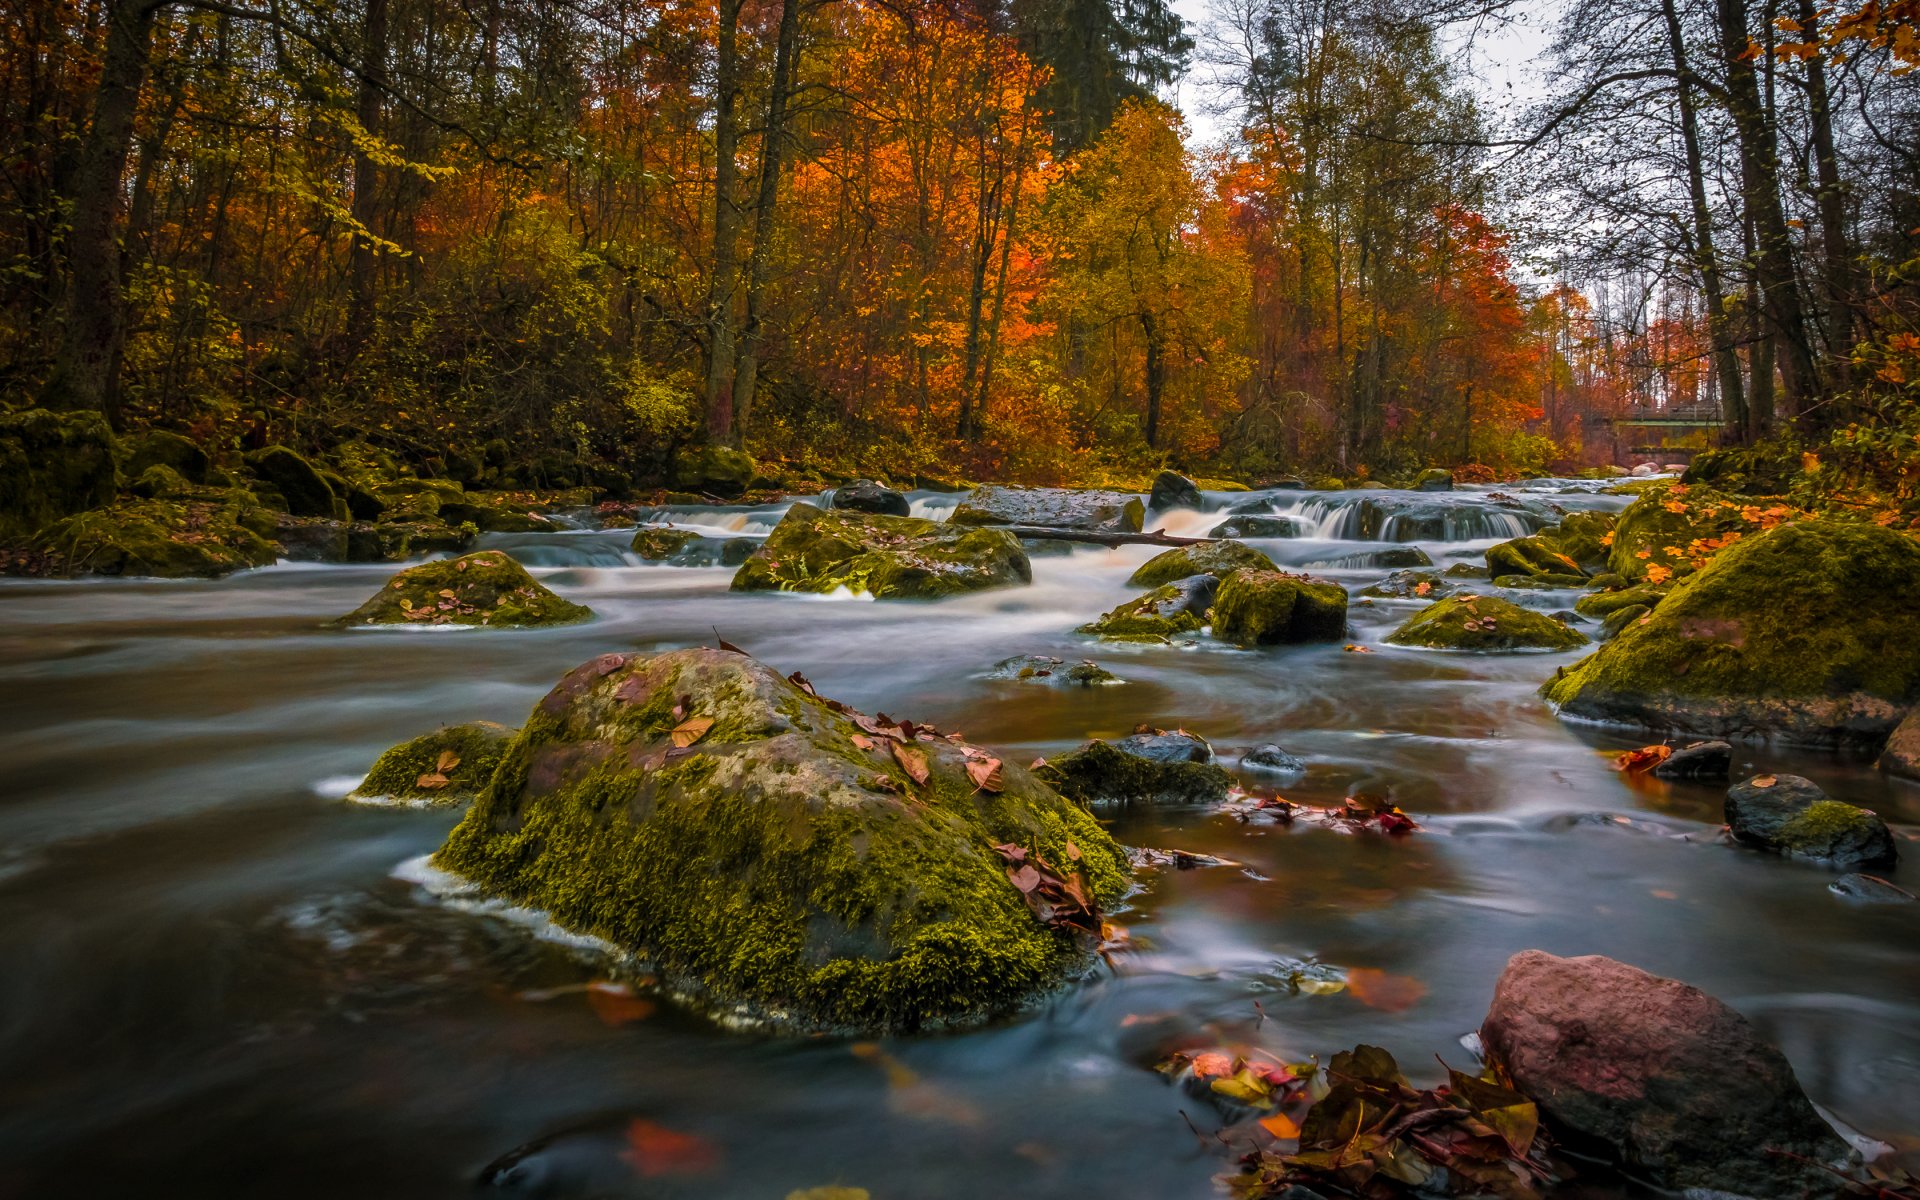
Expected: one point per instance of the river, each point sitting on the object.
(222, 980)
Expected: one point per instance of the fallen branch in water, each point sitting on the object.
(1048, 533)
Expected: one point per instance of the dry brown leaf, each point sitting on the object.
(448, 761)
(985, 773)
(1763, 781)
(912, 761)
(431, 780)
(691, 730)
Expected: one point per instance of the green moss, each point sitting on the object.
(654, 543)
(721, 470)
(160, 482)
(1218, 558)
(1675, 528)
(767, 869)
(470, 753)
(1257, 608)
(1806, 631)
(1099, 773)
(1484, 623)
(1540, 583)
(52, 465)
(1583, 537)
(1467, 571)
(159, 448)
(1640, 595)
(816, 550)
(1823, 825)
(1162, 613)
(1535, 554)
(168, 539)
(297, 483)
(488, 588)
(1619, 619)
(1768, 469)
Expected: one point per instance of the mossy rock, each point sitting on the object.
(1219, 559)
(1410, 585)
(1584, 537)
(1433, 479)
(1163, 613)
(1788, 814)
(484, 589)
(52, 465)
(296, 481)
(165, 539)
(1768, 469)
(1056, 508)
(1805, 633)
(1604, 604)
(160, 482)
(1462, 570)
(776, 869)
(1484, 623)
(1055, 672)
(1121, 773)
(497, 512)
(161, 448)
(446, 767)
(1673, 528)
(1259, 608)
(656, 544)
(1617, 621)
(1535, 554)
(1539, 583)
(719, 470)
(904, 558)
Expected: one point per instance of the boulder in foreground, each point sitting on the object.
(486, 588)
(1658, 1076)
(445, 767)
(780, 858)
(1260, 608)
(888, 558)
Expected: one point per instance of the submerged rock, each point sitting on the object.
(1176, 608)
(1804, 633)
(1699, 760)
(448, 766)
(1788, 814)
(52, 465)
(1059, 508)
(1040, 668)
(778, 864)
(1261, 608)
(1484, 623)
(1272, 758)
(864, 495)
(1660, 1077)
(1902, 753)
(1172, 490)
(903, 558)
(1142, 768)
(1409, 585)
(487, 588)
(1255, 526)
(1869, 889)
(1219, 559)
(1391, 556)
(164, 539)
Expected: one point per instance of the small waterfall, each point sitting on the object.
(1335, 517)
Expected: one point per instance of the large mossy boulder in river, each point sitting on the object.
(162, 539)
(1805, 633)
(1260, 608)
(1659, 1077)
(445, 767)
(1484, 623)
(1218, 558)
(1789, 814)
(487, 588)
(774, 857)
(1166, 611)
(1057, 508)
(888, 558)
(1142, 768)
(52, 465)
(715, 470)
(1671, 529)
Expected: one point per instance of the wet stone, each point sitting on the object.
(1699, 760)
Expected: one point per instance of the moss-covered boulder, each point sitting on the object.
(161, 448)
(1805, 633)
(656, 544)
(1056, 508)
(1769, 469)
(1484, 623)
(1260, 608)
(1902, 753)
(296, 482)
(1672, 529)
(160, 482)
(1585, 537)
(1535, 554)
(1056, 672)
(499, 512)
(1410, 585)
(1142, 768)
(1433, 479)
(1605, 604)
(1167, 611)
(773, 858)
(1616, 622)
(1788, 814)
(52, 465)
(488, 588)
(165, 539)
(715, 470)
(889, 558)
(1219, 559)
(445, 767)
(1462, 570)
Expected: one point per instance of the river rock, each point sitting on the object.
(864, 495)
(1669, 524)
(1261, 608)
(1604, 604)
(1697, 760)
(656, 544)
(1252, 505)
(298, 484)
(1433, 479)
(1142, 768)
(1617, 620)
(1218, 559)
(888, 558)
(52, 465)
(1399, 557)
(161, 448)
(779, 864)
(1410, 585)
(1535, 554)
(1172, 490)
(1059, 508)
(1869, 889)
(1041, 668)
(1484, 623)
(1253, 526)
(1902, 753)
(1804, 633)
(446, 767)
(1166, 611)
(1585, 537)
(163, 539)
(1664, 1079)
(1273, 759)
(1788, 814)
(484, 589)
(714, 470)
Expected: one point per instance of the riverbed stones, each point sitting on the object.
(1869, 889)
(1902, 753)
(1173, 490)
(1484, 623)
(1697, 760)
(163, 448)
(1167, 611)
(888, 558)
(446, 767)
(772, 861)
(1803, 633)
(1409, 585)
(1255, 526)
(1055, 672)
(656, 544)
(1217, 558)
(1535, 554)
(1662, 1078)
(1789, 814)
(1087, 509)
(487, 588)
(52, 465)
(864, 495)
(1272, 759)
(1262, 608)
(1142, 768)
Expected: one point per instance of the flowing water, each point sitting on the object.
(222, 980)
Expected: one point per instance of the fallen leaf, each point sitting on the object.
(616, 1005)
(1387, 992)
(448, 761)
(1356, 648)
(654, 1150)
(985, 773)
(691, 730)
(431, 780)
(1763, 781)
(1281, 1125)
(861, 740)
(724, 643)
(912, 761)
(1644, 759)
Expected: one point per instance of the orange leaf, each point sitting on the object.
(1763, 781)
(654, 1150)
(1644, 759)
(1378, 989)
(448, 761)
(431, 780)
(616, 1005)
(985, 773)
(1212, 1063)
(912, 761)
(1281, 1125)
(691, 730)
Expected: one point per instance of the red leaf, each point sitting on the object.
(654, 1150)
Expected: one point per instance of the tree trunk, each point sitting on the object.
(773, 146)
(95, 323)
(366, 174)
(1840, 281)
(726, 226)
(1156, 377)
